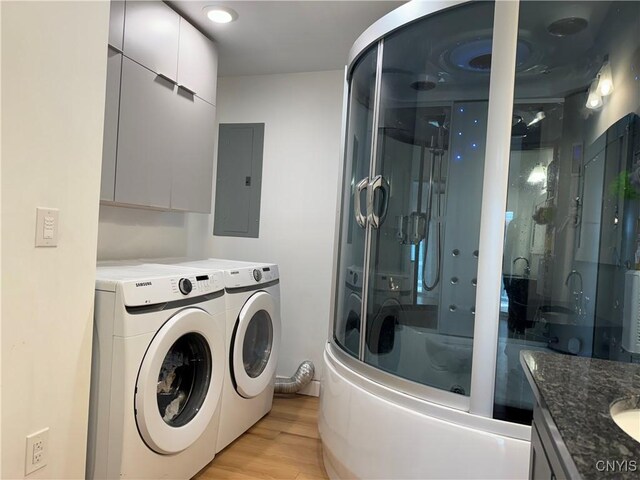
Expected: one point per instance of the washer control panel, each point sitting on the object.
(199, 284)
(185, 286)
(257, 274)
(161, 289)
(251, 276)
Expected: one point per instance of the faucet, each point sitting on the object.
(577, 294)
(527, 269)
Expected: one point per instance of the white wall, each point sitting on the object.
(302, 116)
(619, 39)
(53, 86)
(126, 233)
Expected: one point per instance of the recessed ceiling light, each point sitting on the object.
(567, 26)
(220, 14)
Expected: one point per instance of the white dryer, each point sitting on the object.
(157, 371)
(253, 339)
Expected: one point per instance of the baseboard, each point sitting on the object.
(312, 389)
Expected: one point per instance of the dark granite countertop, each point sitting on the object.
(578, 392)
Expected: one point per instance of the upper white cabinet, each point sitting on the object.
(110, 140)
(116, 24)
(192, 176)
(151, 35)
(197, 63)
(147, 144)
(160, 114)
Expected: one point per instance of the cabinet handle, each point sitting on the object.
(115, 49)
(186, 89)
(167, 78)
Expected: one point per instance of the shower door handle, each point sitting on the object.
(378, 183)
(357, 210)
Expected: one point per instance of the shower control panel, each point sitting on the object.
(251, 276)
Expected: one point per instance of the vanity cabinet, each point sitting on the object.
(539, 466)
(545, 462)
(159, 115)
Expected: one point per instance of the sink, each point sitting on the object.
(557, 314)
(626, 414)
(567, 332)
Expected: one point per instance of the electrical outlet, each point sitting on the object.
(37, 445)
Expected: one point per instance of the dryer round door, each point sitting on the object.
(180, 381)
(255, 345)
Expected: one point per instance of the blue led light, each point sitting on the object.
(474, 145)
(458, 157)
(475, 121)
(461, 109)
(459, 134)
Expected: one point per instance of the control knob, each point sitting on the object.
(185, 286)
(257, 275)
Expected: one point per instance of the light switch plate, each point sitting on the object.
(46, 227)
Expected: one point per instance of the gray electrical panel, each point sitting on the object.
(239, 180)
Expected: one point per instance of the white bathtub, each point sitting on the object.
(371, 431)
(424, 356)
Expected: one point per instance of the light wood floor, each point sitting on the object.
(283, 445)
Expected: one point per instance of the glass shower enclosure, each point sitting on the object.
(414, 161)
(414, 165)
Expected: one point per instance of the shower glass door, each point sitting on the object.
(424, 199)
(353, 228)
(572, 220)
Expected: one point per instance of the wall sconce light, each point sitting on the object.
(602, 86)
(537, 175)
(605, 80)
(538, 118)
(594, 100)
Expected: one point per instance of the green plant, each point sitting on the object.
(621, 187)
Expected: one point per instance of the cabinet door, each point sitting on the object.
(539, 466)
(193, 164)
(116, 24)
(146, 137)
(197, 62)
(151, 36)
(110, 140)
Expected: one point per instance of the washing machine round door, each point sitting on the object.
(351, 324)
(180, 381)
(255, 345)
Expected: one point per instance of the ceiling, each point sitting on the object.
(285, 37)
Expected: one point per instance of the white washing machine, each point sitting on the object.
(157, 371)
(348, 325)
(390, 293)
(253, 339)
